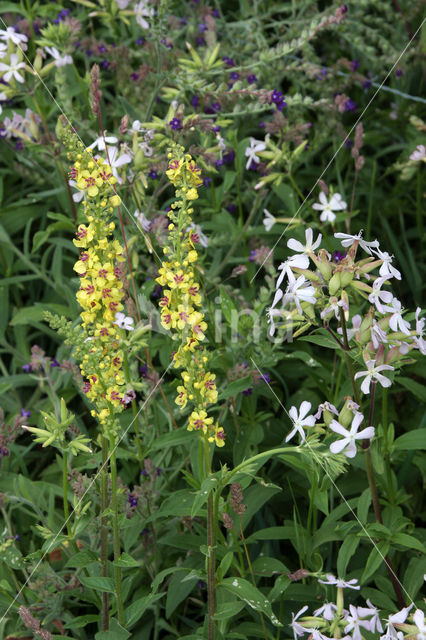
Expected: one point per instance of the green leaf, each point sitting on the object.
(227, 305)
(410, 542)
(245, 591)
(322, 339)
(179, 589)
(173, 439)
(363, 506)
(375, 559)
(98, 583)
(82, 559)
(116, 632)
(227, 610)
(346, 551)
(412, 440)
(125, 560)
(135, 611)
(417, 389)
(414, 575)
(82, 621)
(235, 387)
(255, 497)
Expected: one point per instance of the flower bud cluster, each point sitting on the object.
(101, 290)
(181, 300)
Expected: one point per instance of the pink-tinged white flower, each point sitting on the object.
(269, 220)
(377, 296)
(374, 622)
(78, 195)
(19, 39)
(115, 160)
(347, 241)
(3, 97)
(252, 150)
(273, 313)
(328, 207)
(300, 419)
(396, 321)
(309, 246)
(99, 143)
(347, 444)
(123, 321)
(401, 616)
(419, 621)
(419, 154)
(327, 611)
(298, 630)
(297, 292)
(60, 60)
(356, 324)
(122, 4)
(335, 306)
(378, 335)
(386, 269)
(141, 12)
(298, 261)
(373, 373)
(3, 50)
(197, 235)
(12, 69)
(325, 406)
(143, 220)
(341, 584)
(354, 623)
(419, 341)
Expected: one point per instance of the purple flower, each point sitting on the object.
(266, 377)
(159, 471)
(207, 181)
(201, 584)
(248, 392)
(55, 363)
(4, 451)
(229, 157)
(252, 257)
(102, 48)
(184, 20)
(354, 65)
(89, 53)
(144, 472)
(323, 72)
(104, 64)
(26, 368)
(251, 78)
(176, 124)
(140, 41)
(215, 12)
(231, 208)
(278, 99)
(25, 414)
(200, 41)
(202, 27)
(229, 61)
(216, 129)
(234, 75)
(348, 143)
(134, 76)
(19, 145)
(132, 499)
(157, 291)
(153, 174)
(253, 165)
(344, 8)
(350, 105)
(367, 84)
(216, 106)
(338, 256)
(399, 73)
(144, 532)
(143, 370)
(195, 101)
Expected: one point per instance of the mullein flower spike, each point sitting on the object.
(181, 300)
(101, 291)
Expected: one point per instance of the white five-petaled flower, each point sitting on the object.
(298, 630)
(347, 444)
(342, 584)
(19, 39)
(123, 321)
(419, 341)
(300, 419)
(298, 261)
(99, 143)
(374, 622)
(12, 69)
(328, 207)
(334, 307)
(60, 60)
(297, 291)
(419, 153)
(143, 220)
(140, 11)
(353, 623)
(386, 268)
(377, 296)
(378, 335)
(396, 321)
(269, 220)
(373, 373)
(327, 611)
(356, 324)
(122, 4)
(419, 621)
(116, 161)
(250, 152)
(307, 248)
(348, 240)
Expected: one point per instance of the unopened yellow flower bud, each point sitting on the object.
(171, 226)
(115, 201)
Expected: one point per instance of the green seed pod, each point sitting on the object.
(335, 284)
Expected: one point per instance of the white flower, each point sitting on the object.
(351, 584)
(298, 261)
(269, 220)
(373, 373)
(17, 38)
(79, 195)
(419, 153)
(222, 145)
(335, 306)
(250, 152)
(401, 616)
(136, 125)
(348, 240)
(419, 621)
(60, 60)
(419, 341)
(116, 161)
(300, 420)
(123, 321)
(326, 406)
(347, 444)
(140, 11)
(374, 622)
(328, 207)
(356, 324)
(122, 4)
(377, 296)
(353, 623)
(296, 292)
(378, 335)
(298, 630)
(3, 97)
(386, 268)
(202, 238)
(396, 321)
(143, 220)
(3, 50)
(310, 245)
(99, 143)
(327, 611)
(11, 69)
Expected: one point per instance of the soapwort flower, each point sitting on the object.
(341, 584)
(300, 419)
(12, 69)
(347, 241)
(269, 220)
(328, 207)
(373, 373)
(347, 444)
(252, 150)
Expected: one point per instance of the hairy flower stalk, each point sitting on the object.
(180, 312)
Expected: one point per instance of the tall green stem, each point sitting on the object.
(116, 534)
(210, 547)
(65, 492)
(104, 531)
